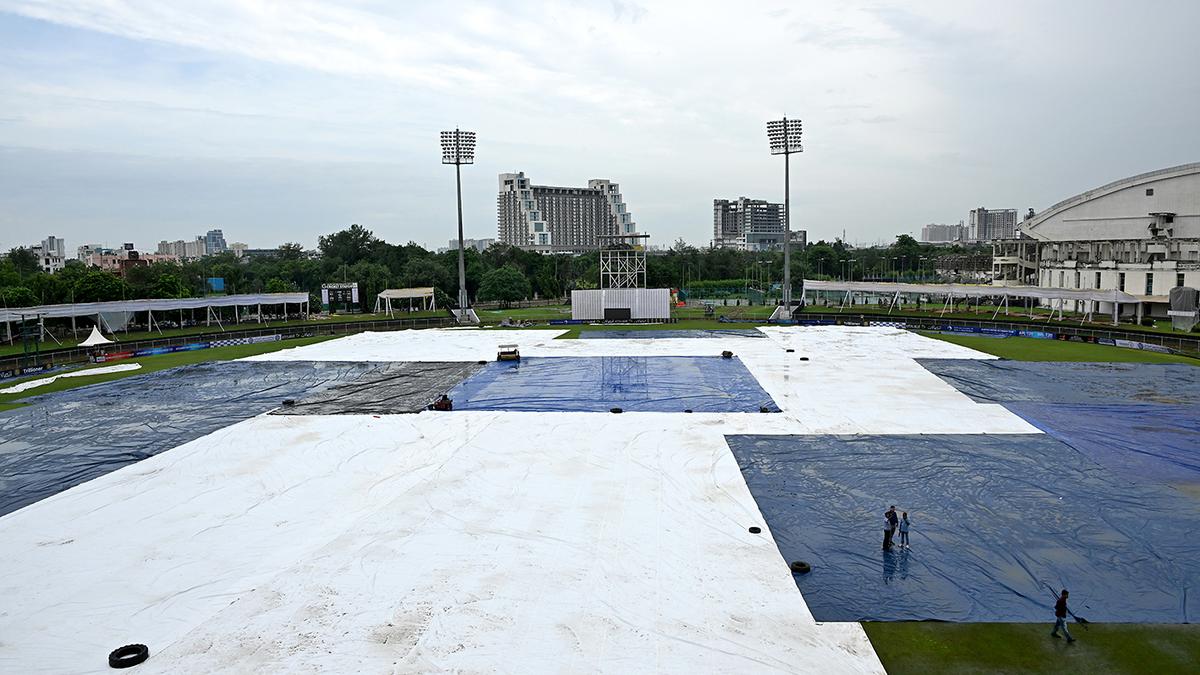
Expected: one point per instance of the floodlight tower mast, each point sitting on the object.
(458, 148)
(784, 137)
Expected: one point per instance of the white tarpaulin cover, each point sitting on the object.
(103, 370)
(466, 541)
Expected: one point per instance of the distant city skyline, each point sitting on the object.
(142, 121)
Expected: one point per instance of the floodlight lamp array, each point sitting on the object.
(458, 147)
(784, 136)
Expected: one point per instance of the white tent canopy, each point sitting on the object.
(157, 305)
(95, 339)
(107, 313)
(423, 296)
(1056, 298)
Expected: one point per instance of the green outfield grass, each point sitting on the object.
(151, 364)
(1033, 349)
(932, 647)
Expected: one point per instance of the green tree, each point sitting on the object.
(348, 246)
(420, 272)
(290, 251)
(17, 296)
(100, 286)
(277, 285)
(24, 261)
(169, 285)
(505, 285)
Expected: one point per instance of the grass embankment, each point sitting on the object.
(1033, 349)
(151, 364)
(930, 647)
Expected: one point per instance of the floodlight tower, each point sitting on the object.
(458, 148)
(784, 136)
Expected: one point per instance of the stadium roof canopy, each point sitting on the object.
(156, 305)
(1058, 297)
(972, 291)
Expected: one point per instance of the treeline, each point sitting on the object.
(501, 273)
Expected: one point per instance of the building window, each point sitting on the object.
(1097, 280)
(1149, 192)
(1121, 282)
(1060, 279)
(1179, 279)
(1149, 283)
(1077, 280)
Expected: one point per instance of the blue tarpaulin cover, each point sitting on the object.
(661, 334)
(999, 523)
(1003, 381)
(67, 438)
(1148, 443)
(1141, 420)
(597, 384)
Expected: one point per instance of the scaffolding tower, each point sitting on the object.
(623, 260)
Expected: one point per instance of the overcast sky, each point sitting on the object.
(141, 120)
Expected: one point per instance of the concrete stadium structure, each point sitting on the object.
(1139, 235)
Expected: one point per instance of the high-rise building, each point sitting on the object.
(214, 243)
(989, 224)
(480, 245)
(943, 234)
(183, 249)
(748, 224)
(51, 253)
(238, 248)
(559, 219)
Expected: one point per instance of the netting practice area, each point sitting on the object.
(600, 384)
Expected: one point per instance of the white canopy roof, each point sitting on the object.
(401, 293)
(158, 305)
(971, 291)
(95, 339)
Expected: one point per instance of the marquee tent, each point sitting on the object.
(1055, 298)
(116, 313)
(423, 296)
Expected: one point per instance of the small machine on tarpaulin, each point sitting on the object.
(508, 352)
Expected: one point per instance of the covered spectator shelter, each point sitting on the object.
(1090, 301)
(423, 298)
(110, 316)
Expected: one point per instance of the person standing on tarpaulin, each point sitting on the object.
(889, 527)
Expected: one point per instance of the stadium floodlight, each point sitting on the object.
(784, 137)
(458, 148)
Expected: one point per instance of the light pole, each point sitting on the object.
(784, 137)
(458, 148)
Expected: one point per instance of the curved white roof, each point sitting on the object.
(1030, 226)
